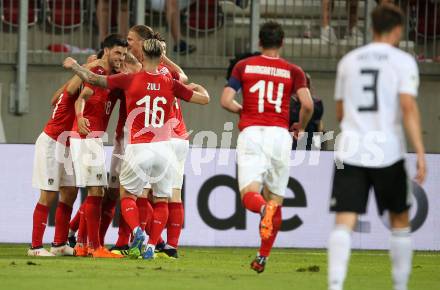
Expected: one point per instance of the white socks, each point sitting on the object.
(339, 247)
(401, 257)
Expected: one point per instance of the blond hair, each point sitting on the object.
(153, 48)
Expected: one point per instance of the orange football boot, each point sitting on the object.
(103, 252)
(81, 250)
(266, 225)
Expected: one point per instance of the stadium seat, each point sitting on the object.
(10, 12)
(65, 13)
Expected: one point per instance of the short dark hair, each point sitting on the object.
(143, 31)
(271, 35)
(113, 40)
(100, 54)
(386, 17)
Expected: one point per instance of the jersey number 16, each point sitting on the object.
(156, 121)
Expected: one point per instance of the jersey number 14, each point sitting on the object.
(260, 86)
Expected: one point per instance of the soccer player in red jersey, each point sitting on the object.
(267, 83)
(150, 97)
(136, 36)
(53, 173)
(93, 109)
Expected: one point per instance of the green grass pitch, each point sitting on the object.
(208, 268)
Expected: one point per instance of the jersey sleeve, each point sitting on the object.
(175, 75)
(119, 81)
(181, 91)
(299, 79)
(235, 80)
(409, 77)
(339, 82)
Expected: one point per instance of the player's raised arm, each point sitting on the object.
(84, 73)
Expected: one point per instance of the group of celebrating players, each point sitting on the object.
(137, 72)
(375, 89)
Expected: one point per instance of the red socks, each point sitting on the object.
(175, 223)
(123, 233)
(130, 212)
(82, 228)
(160, 217)
(62, 218)
(107, 213)
(39, 224)
(253, 201)
(145, 212)
(93, 218)
(266, 245)
(74, 223)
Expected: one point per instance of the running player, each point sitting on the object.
(148, 155)
(53, 173)
(264, 144)
(93, 109)
(376, 86)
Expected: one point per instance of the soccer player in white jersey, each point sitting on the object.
(375, 93)
(267, 83)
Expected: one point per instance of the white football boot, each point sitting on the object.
(63, 250)
(40, 252)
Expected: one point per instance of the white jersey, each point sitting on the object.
(369, 81)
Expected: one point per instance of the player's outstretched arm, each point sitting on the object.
(228, 101)
(84, 73)
(200, 94)
(411, 121)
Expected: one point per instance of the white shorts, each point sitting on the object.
(263, 155)
(52, 165)
(88, 161)
(115, 164)
(148, 163)
(180, 148)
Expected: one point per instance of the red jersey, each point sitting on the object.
(119, 132)
(180, 128)
(98, 107)
(267, 85)
(149, 99)
(62, 118)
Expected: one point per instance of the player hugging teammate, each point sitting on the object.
(92, 107)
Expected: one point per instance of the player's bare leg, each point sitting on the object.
(41, 213)
(63, 213)
(160, 218)
(130, 214)
(400, 249)
(339, 248)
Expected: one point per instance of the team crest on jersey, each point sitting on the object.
(50, 181)
(99, 176)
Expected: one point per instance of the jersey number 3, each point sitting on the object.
(372, 88)
(260, 86)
